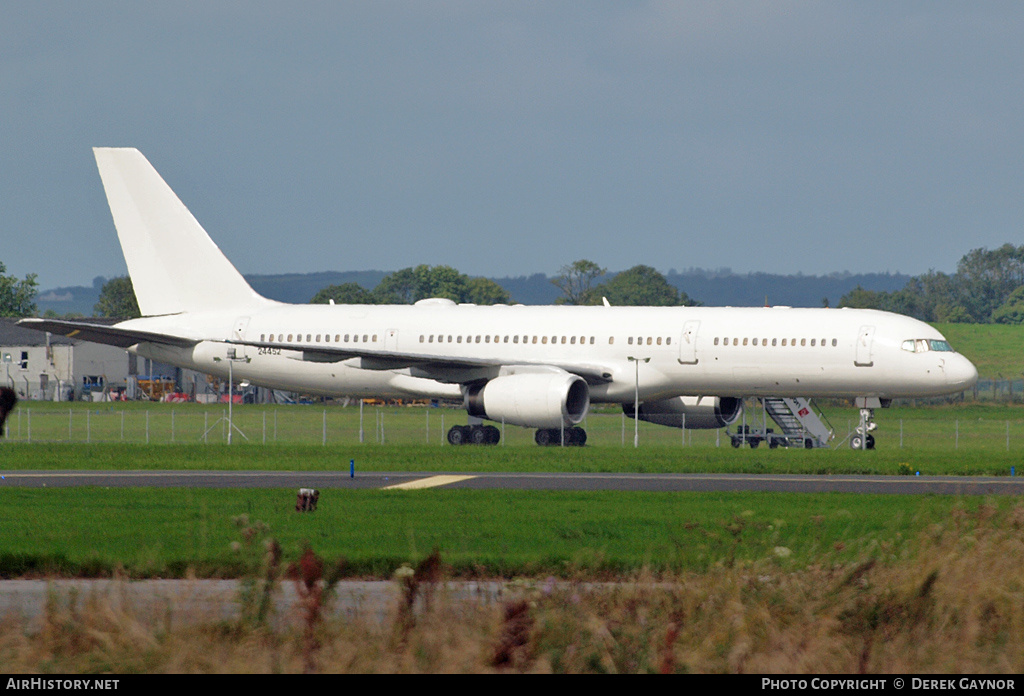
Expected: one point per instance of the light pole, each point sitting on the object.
(232, 358)
(636, 399)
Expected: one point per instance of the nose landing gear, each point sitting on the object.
(862, 439)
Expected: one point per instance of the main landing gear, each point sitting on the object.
(490, 435)
(474, 435)
(574, 437)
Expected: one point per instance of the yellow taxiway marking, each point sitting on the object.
(429, 482)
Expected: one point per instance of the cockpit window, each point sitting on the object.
(923, 345)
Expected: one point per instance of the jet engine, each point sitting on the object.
(537, 400)
(701, 412)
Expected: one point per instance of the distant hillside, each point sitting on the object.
(713, 288)
(725, 288)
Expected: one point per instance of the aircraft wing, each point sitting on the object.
(104, 333)
(443, 368)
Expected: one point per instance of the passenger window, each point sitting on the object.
(812, 343)
(834, 343)
(649, 340)
(803, 341)
(421, 338)
(487, 339)
(337, 338)
(515, 339)
(544, 339)
(458, 339)
(611, 340)
(572, 341)
(630, 340)
(744, 341)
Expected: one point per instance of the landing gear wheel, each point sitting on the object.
(493, 435)
(546, 437)
(457, 435)
(857, 442)
(574, 437)
(478, 435)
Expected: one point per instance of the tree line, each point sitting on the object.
(987, 287)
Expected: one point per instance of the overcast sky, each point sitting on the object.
(509, 138)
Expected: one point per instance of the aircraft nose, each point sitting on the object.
(961, 373)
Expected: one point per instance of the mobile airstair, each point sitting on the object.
(799, 424)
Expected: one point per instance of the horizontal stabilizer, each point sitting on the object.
(101, 333)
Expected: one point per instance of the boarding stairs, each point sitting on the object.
(800, 425)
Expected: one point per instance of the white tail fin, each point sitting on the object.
(174, 265)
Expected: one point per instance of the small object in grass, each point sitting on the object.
(307, 500)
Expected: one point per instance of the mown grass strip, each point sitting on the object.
(173, 532)
(427, 458)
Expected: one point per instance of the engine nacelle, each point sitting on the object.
(701, 412)
(536, 400)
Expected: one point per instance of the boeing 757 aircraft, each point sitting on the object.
(539, 367)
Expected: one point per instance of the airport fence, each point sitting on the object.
(336, 425)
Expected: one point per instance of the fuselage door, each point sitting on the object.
(391, 340)
(238, 334)
(864, 342)
(688, 343)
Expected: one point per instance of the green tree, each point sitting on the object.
(400, 287)
(1011, 311)
(484, 291)
(346, 293)
(17, 297)
(576, 281)
(640, 286)
(421, 282)
(439, 281)
(987, 277)
(117, 299)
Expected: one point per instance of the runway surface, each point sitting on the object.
(788, 483)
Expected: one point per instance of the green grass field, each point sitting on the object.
(995, 349)
(157, 532)
(951, 439)
(170, 532)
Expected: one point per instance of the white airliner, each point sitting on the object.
(539, 367)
